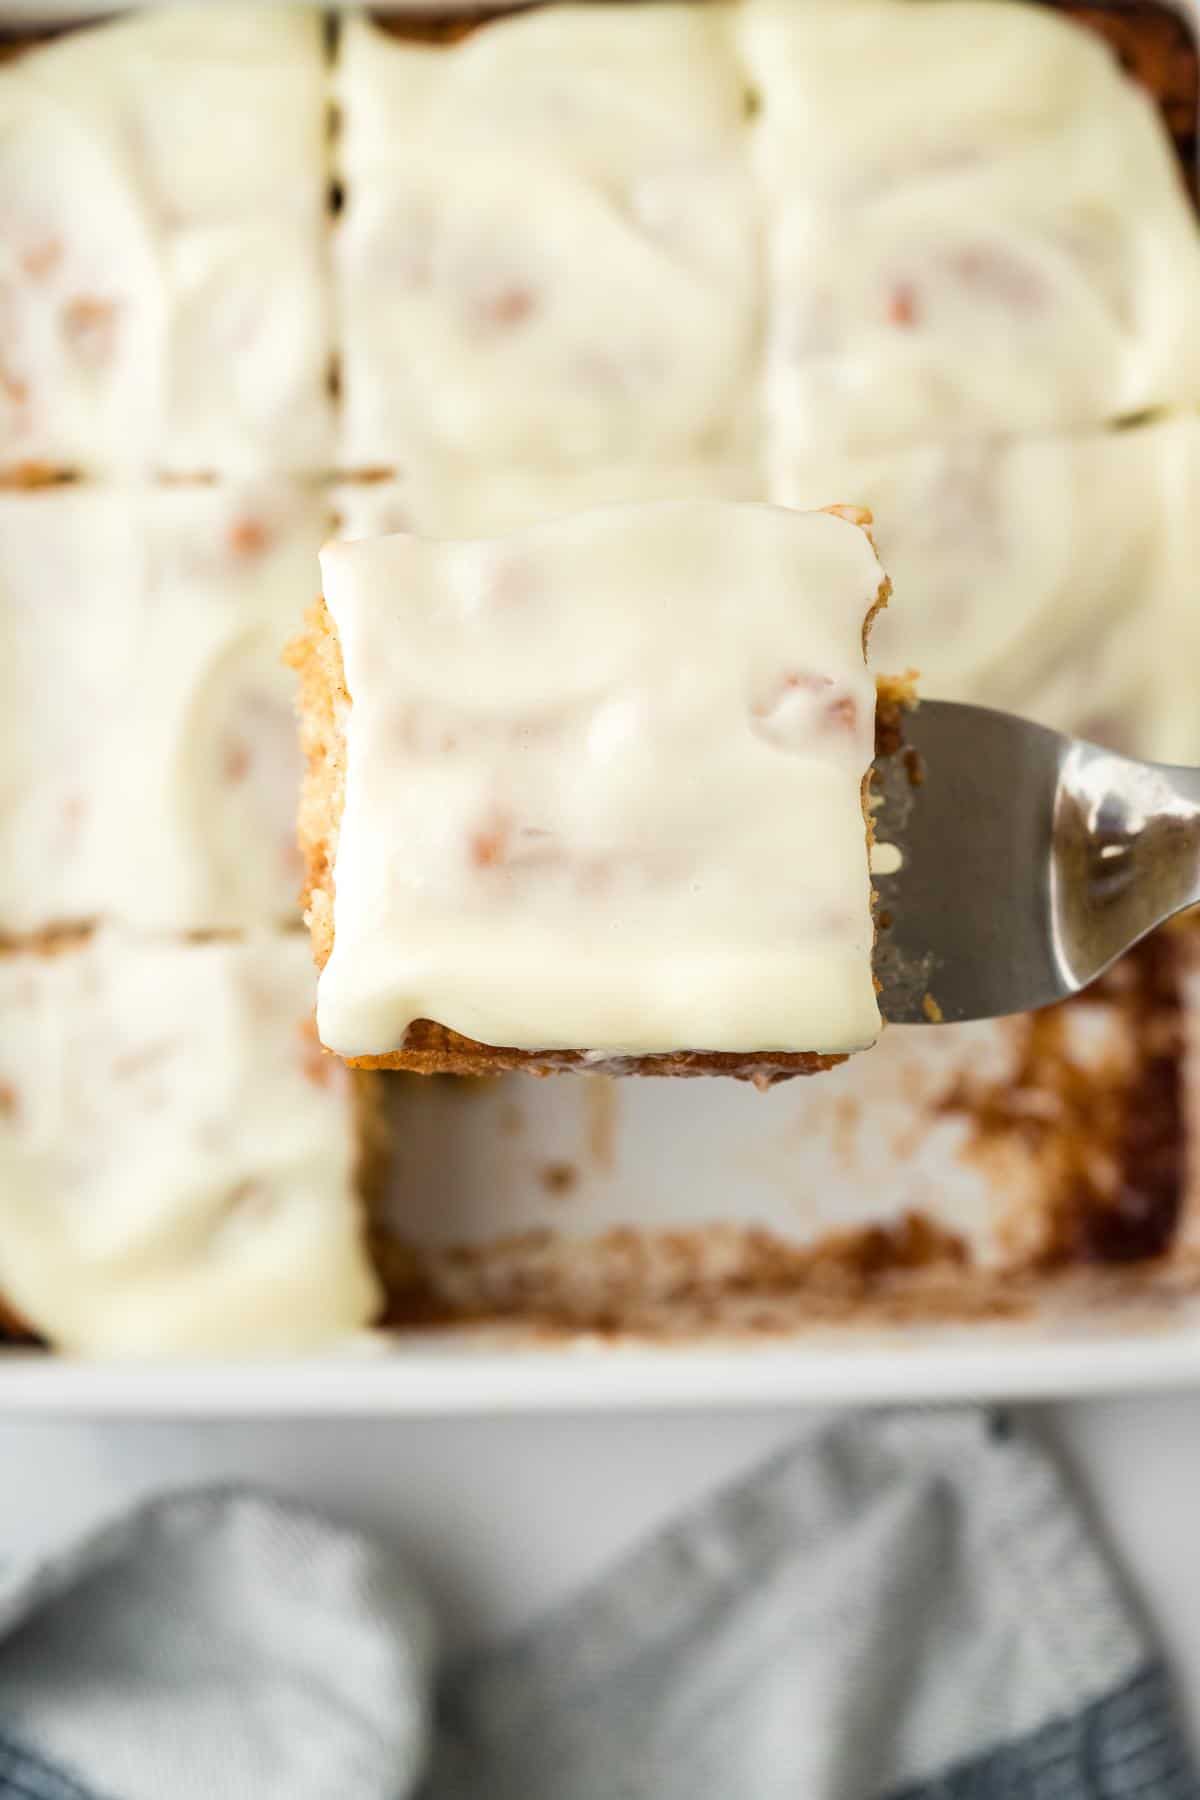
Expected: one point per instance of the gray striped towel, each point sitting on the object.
(904, 1606)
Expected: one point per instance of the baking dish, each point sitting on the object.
(871, 1235)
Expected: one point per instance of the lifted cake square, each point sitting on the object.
(592, 793)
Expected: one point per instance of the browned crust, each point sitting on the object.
(1109, 1141)
(13, 1328)
(1157, 47)
(51, 940)
(316, 657)
(16, 41)
(431, 1048)
(25, 475)
(746, 1282)
(436, 28)
(676, 1283)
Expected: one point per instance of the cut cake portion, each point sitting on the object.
(592, 794)
(1046, 576)
(164, 289)
(180, 1167)
(974, 224)
(549, 248)
(148, 761)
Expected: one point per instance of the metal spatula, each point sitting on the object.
(1030, 861)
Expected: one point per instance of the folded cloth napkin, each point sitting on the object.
(905, 1606)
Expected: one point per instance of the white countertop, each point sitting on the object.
(501, 1517)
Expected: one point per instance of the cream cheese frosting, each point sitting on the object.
(153, 779)
(1041, 575)
(164, 300)
(974, 221)
(549, 249)
(177, 1158)
(604, 784)
(438, 499)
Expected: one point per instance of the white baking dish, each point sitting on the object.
(705, 1160)
(466, 1174)
(457, 1372)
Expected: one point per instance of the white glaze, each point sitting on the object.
(975, 223)
(163, 294)
(439, 499)
(148, 759)
(1048, 576)
(176, 1157)
(550, 246)
(603, 784)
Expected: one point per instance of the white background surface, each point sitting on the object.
(502, 1517)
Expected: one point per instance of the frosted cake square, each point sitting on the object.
(164, 291)
(592, 793)
(1048, 576)
(148, 762)
(549, 248)
(974, 223)
(180, 1167)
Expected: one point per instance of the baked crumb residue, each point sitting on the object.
(1108, 1142)
(675, 1283)
(518, 1285)
(895, 695)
